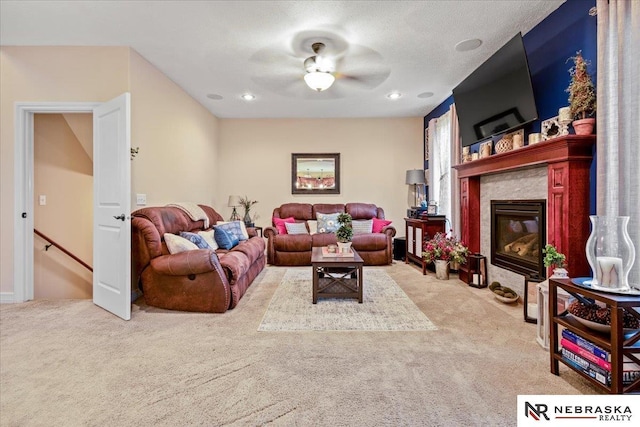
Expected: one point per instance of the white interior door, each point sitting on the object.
(112, 206)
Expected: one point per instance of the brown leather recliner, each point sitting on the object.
(197, 280)
(295, 249)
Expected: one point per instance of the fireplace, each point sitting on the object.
(518, 234)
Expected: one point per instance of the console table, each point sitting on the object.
(417, 232)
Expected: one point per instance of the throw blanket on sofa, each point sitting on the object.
(195, 212)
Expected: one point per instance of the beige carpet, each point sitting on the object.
(385, 307)
(70, 363)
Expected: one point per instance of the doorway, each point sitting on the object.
(111, 200)
(63, 205)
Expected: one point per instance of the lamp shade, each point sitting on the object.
(415, 176)
(233, 201)
(319, 80)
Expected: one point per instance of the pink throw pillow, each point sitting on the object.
(279, 223)
(379, 224)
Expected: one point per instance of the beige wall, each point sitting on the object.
(63, 172)
(36, 74)
(176, 135)
(255, 160)
(177, 138)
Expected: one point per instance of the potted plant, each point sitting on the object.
(247, 203)
(556, 260)
(344, 233)
(442, 250)
(582, 96)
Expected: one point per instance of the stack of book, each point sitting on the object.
(592, 360)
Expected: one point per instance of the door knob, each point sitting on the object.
(121, 216)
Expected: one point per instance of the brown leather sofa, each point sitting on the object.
(196, 280)
(295, 249)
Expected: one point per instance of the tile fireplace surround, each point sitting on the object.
(566, 162)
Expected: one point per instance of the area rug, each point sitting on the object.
(385, 307)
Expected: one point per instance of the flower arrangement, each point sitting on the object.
(445, 248)
(582, 94)
(246, 203)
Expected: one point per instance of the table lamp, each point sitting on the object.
(234, 201)
(415, 177)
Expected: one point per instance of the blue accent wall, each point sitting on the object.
(549, 45)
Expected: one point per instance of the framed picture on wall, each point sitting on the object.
(315, 173)
(426, 143)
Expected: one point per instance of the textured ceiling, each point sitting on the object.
(228, 48)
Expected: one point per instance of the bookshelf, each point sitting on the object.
(617, 343)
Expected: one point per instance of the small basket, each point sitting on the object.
(504, 145)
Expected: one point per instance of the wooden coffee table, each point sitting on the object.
(336, 277)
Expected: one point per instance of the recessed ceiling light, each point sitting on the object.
(470, 44)
(248, 96)
(425, 95)
(214, 96)
(394, 95)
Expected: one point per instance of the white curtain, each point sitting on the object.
(618, 116)
(440, 165)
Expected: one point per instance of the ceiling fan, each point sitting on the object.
(319, 69)
(345, 68)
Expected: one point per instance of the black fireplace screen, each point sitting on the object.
(518, 235)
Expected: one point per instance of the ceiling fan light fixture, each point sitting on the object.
(319, 80)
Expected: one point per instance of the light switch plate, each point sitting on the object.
(42, 200)
(141, 199)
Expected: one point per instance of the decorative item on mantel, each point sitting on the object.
(247, 203)
(582, 96)
(443, 249)
(485, 149)
(611, 253)
(564, 118)
(504, 145)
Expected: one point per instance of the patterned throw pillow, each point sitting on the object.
(177, 244)
(296, 228)
(243, 227)
(313, 226)
(207, 235)
(224, 239)
(327, 223)
(234, 228)
(362, 226)
(279, 223)
(379, 224)
(195, 239)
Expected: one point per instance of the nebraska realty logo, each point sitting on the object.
(578, 410)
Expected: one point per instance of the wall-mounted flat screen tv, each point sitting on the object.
(498, 96)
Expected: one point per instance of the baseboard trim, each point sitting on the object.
(7, 297)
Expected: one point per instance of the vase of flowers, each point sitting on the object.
(443, 250)
(247, 203)
(344, 233)
(582, 96)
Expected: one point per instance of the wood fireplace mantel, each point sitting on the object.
(568, 159)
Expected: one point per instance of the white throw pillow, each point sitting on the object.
(177, 244)
(313, 226)
(208, 237)
(362, 226)
(296, 228)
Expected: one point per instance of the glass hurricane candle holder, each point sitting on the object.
(610, 253)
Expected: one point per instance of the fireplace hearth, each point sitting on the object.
(518, 234)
